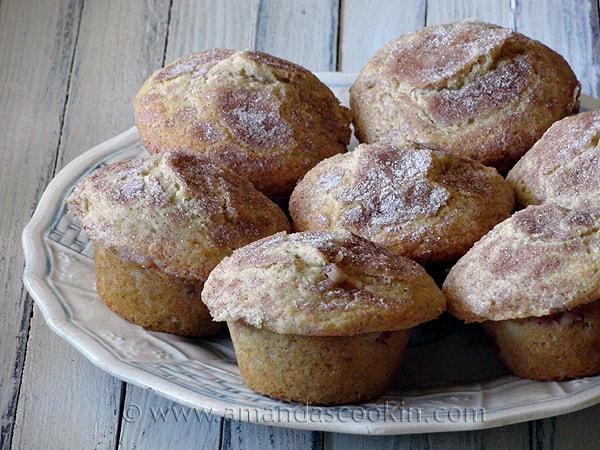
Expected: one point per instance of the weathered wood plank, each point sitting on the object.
(570, 27)
(66, 402)
(153, 422)
(304, 32)
(272, 29)
(241, 436)
(367, 25)
(580, 427)
(339, 441)
(199, 25)
(513, 436)
(117, 44)
(36, 48)
(492, 11)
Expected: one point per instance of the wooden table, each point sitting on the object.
(68, 72)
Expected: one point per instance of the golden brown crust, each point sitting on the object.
(428, 205)
(265, 118)
(151, 298)
(556, 347)
(318, 369)
(472, 88)
(321, 283)
(562, 166)
(177, 211)
(543, 259)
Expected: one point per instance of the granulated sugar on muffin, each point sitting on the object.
(534, 284)
(472, 88)
(267, 119)
(563, 166)
(320, 317)
(159, 226)
(427, 204)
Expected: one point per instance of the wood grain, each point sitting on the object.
(60, 387)
(302, 31)
(492, 11)
(570, 27)
(150, 421)
(367, 25)
(33, 100)
(69, 70)
(199, 25)
(56, 395)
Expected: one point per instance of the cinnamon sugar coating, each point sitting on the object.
(427, 204)
(472, 88)
(176, 211)
(321, 284)
(563, 166)
(267, 119)
(542, 260)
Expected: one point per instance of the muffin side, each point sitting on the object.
(556, 347)
(320, 317)
(318, 369)
(533, 283)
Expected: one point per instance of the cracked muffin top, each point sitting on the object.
(562, 166)
(472, 88)
(321, 283)
(542, 260)
(427, 204)
(265, 118)
(177, 211)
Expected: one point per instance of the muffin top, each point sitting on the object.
(425, 203)
(542, 260)
(265, 118)
(321, 283)
(562, 166)
(177, 211)
(472, 88)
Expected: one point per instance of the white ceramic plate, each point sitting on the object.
(450, 379)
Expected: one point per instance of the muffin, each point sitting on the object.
(472, 88)
(533, 282)
(427, 204)
(265, 118)
(320, 317)
(562, 166)
(159, 226)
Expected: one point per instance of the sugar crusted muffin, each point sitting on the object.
(427, 204)
(267, 119)
(472, 88)
(159, 225)
(562, 166)
(534, 284)
(320, 317)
